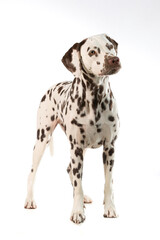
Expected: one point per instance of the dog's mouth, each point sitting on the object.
(114, 70)
(111, 71)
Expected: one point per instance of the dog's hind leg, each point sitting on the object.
(46, 123)
(37, 155)
(45, 129)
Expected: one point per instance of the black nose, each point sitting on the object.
(113, 61)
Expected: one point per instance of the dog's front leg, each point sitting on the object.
(77, 215)
(108, 161)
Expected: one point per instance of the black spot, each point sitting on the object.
(74, 121)
(62, 117)
(78, 111)
(79, 166)
(110, 105)
(81, 100)
(114, 140)
(111, 118)
(68, 169)
(106, 100)
(52, 118)
(72, 99)
(72, 146)
(87, 78)
(42, 135)
(60, 89)
(91, 123)
(112, 162)
(79, 152)
(70, 138)
(83, 85)
(104, 158)
(58, 84)
(62, 106)
(91, 75)
(66, 111)
(109, 46)
(103, 106)
(38, 132)
(75, 183)
(82, 141)
(32, 170)
(43, 98)
(48, 128)
(98, 130)
(94, 102)
(100, 143)
(111, 151)
(50, 95)
(81, 130)
(76, 96)
(78, 175)
(61, 92)
(98, 63)
(75, 170)
(83, 115)
(98, 117)
(73, 161)
(101, 89)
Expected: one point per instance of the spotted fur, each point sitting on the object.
(86, 110)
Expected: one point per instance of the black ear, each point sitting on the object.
(115, 44)
(71, 59)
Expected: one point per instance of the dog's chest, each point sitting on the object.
(102, 130)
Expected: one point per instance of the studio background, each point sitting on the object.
(34, 35)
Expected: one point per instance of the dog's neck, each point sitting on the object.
(93, 82)
(91, 96)
(86, 87)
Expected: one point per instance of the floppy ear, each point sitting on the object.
(115, 44)
(71, 59)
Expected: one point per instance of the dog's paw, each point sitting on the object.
(110, 211)
(87, 199)
(78, 217)
(30, 204)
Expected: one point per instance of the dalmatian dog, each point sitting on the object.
(86, 110)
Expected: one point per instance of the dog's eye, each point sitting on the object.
(91, 53)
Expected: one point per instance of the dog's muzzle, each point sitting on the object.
(111, 66)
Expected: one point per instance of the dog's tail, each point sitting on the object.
(50, 143)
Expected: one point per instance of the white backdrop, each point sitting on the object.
(34, 35)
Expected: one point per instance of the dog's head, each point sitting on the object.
(96, 55)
